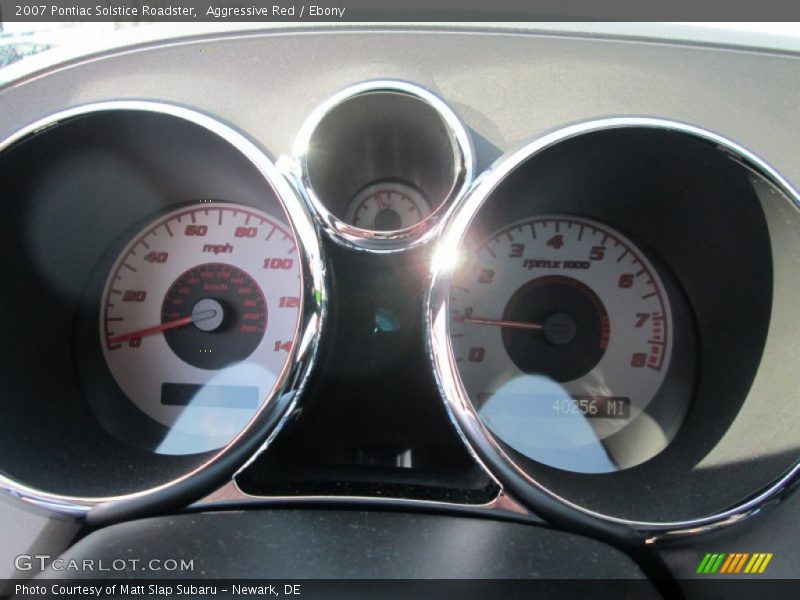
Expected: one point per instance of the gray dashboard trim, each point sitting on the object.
(741, 36)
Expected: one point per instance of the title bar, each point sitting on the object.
(394, 10)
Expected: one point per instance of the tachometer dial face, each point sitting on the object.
(387, 206)
(199, 313)
(562, 332)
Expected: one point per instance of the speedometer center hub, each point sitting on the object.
(208, 314)
(232, 311)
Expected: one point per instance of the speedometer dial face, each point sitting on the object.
(562, 332)
(199, 313)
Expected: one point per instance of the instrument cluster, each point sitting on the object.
(593, 320)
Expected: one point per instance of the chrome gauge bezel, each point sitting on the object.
(350, 236)
(279, 406)
(480, 441)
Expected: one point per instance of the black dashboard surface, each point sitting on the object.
(309, 544)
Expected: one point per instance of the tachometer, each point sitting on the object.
(562, 330)
(199, 313)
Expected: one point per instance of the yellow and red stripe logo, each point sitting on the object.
(734, 563)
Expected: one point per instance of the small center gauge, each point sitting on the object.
(388, 206)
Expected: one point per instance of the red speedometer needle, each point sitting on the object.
(502, 323)
(194, 318)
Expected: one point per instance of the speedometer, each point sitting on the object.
(562, 331)
(199, 314)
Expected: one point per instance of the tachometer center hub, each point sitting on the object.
(575, 329)
(560, 329)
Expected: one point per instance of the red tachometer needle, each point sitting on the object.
(501, 323)
(194, 318)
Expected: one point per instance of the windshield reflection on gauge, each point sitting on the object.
(562, 330)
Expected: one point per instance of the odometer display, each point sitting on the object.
(199, 314)
(561, 330)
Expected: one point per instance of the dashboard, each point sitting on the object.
(507, 279)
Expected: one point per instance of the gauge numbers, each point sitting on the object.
(561, 329)
(199, 314)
